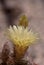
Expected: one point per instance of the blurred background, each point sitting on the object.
(11, 10)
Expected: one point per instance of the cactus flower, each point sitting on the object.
(21, 37)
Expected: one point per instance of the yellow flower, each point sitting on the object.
(22, 38)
